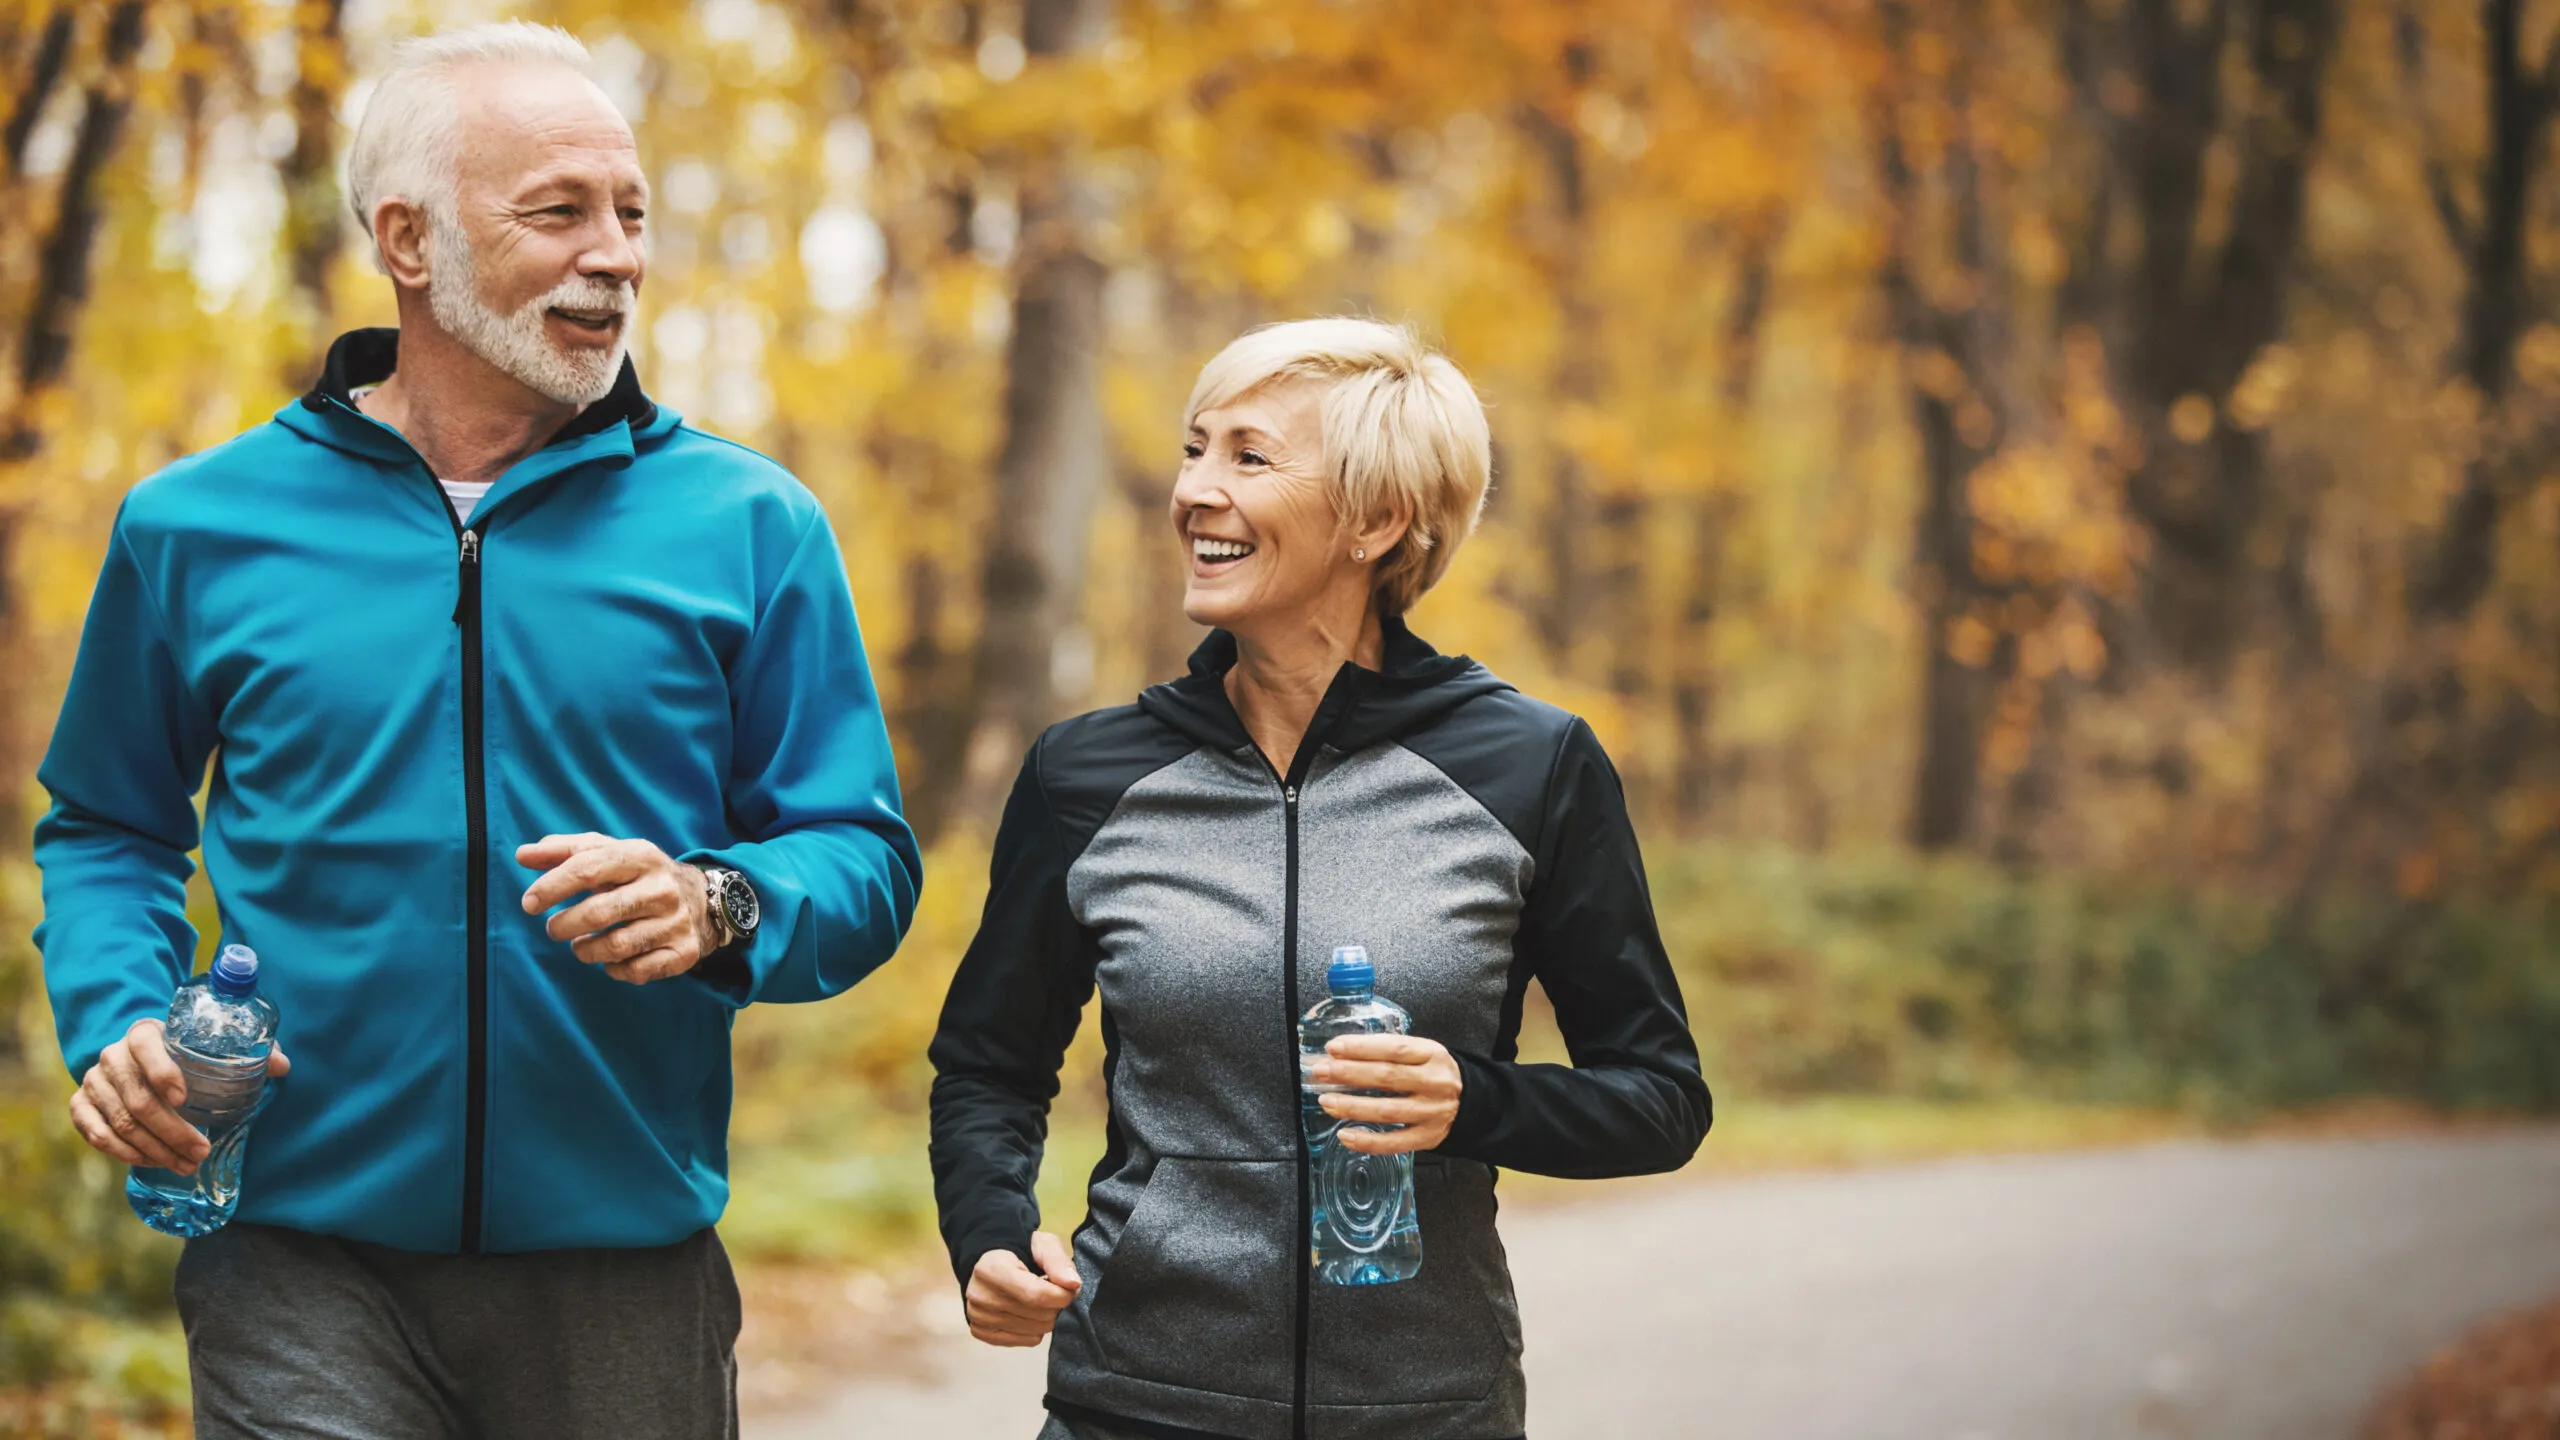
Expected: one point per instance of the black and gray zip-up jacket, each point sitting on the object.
(1472, 839)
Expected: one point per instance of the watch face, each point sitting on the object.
(739, 899)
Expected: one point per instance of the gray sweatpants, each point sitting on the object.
(292, 1336)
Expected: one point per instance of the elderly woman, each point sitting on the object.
(1321, 776)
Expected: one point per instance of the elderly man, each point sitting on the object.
(474, 634)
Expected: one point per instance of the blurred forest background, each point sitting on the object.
(2049, 502)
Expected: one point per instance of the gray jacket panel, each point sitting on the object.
(1192, 1246)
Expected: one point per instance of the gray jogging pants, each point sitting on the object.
(293, 1336)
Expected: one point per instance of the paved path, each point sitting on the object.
(2256, 1291)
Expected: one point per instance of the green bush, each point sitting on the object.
(1953, 979)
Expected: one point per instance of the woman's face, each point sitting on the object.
(1260, 537)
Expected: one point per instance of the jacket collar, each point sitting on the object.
(609, 431)
(1413, 686)
(368, 356)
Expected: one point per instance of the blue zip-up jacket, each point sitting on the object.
(643, 631)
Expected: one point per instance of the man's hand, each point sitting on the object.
(127, 1105)
(1008, 1305)
(649, 918)
(1423, 1080)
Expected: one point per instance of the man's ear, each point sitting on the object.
(400, 238)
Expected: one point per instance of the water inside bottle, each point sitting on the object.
(1366, 1228)
(219, 1033)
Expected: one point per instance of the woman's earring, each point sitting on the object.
(1359, 554)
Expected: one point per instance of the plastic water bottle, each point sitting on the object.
(219, 1034)
(1366, 1229)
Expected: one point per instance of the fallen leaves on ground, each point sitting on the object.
(810, 1328)
(2500, 1382)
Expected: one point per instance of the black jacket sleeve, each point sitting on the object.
(1012, 1010)
(1634, 1101)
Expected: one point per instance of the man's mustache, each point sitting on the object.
(590, 295)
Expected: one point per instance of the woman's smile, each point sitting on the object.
(1213, 556)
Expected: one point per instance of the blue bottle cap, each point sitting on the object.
(235, 972)
(1350, 969)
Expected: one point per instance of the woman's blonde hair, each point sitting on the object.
(1404, 434)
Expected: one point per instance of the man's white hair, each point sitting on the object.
(407, 142)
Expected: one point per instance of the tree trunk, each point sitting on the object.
(1055, 459)
(2416, 756)
(1958, 687)
(2188, 321)
(315, 220)
(2494, 306)
(44, 355)
(1952, 354)
(62, 267)
(1692, 660)
(931, 718)
(1561, 613)
(1693, 674)
(933, 697)
(43, 73)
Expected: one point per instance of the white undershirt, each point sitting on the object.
(463, 494)
(460, 494)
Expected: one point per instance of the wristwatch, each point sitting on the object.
(734, 911)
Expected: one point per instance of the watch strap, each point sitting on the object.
(723, 934)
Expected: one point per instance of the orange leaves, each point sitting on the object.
(2048, 518)
(2191, 419)
(2417, 875)
(1970, 640)
(1935, 373)
(2538, 358)
(2050, 639)
(2263, 388)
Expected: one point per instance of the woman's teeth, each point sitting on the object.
(1215, 551)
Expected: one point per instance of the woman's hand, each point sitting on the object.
(1422, 1075)
(1008, 1305)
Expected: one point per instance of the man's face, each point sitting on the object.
(539, 270)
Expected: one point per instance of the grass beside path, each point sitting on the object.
(1834, 1132)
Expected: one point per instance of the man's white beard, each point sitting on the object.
(516, 343)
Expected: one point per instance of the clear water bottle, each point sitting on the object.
(1366, 1228)
(219, 1034)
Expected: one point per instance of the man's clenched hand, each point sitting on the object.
(649, 917)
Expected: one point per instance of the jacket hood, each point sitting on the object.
(328, 414)
(1413, 686)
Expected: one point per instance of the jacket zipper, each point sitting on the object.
(475, 806)
(1301, 766)
(475, 811)
(1304, 1246)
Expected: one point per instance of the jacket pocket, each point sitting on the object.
(1452, 1332)
(1201, 1290)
